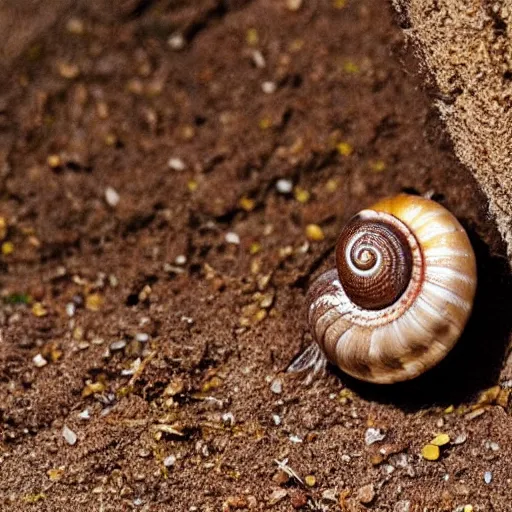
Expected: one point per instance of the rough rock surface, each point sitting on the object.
(466, 48)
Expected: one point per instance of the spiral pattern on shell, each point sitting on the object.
(401, 295)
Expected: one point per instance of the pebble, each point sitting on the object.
(284, 186)
(295, 439)
(258, 59)
(402, 506)
(276, 386)
(298, 499)
(142, 337)
(84, 415)
(39, 361)
(314, 233)
(277, 496)
(118, 345)
(228, 418)
(373, 435)
(461, 438)
(70, 437)
(170, 461)
(112, 197)
(269, 87)
(176, 42)
(330, 495)
(366, 494)
(180, 260)
(277, 419)
(177, 164)
(487, 477)
(232, 238)
(70, 309)
(293, 5)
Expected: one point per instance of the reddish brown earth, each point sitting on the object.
(100, 99)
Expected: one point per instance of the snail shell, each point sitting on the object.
(402, 292)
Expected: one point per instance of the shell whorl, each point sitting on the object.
(402, 293)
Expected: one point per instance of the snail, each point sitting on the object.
(400, 297)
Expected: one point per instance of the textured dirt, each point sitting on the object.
(164, 341)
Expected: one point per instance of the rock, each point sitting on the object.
(366, 494)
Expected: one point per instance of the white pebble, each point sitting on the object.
(70, 437)
(284, 186)
(373, 435)
(39, 361)
(70, 309)
(142, 337)
(169, 461)
(232, 238)
(176, 42)
(487, 477)
(228, 418)
(112, 197)
(268, 87)
(84, 415)
(277, 419)
(258, 59)
(295, 439)
(180, 260)
(276, 386)
(177, 164)
(118, 345)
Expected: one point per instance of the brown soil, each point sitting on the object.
(101, 99)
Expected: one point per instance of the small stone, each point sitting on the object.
(228, 418)
(330, 495)
(276, 419)
(7, 248)
(176, 42)
(118, 345)
(54, 161)
(301, 195)
(402, 506)
(70, 309)
(176, 164)
(39, 310)
(39, 361)
(373, 435)
(75, 26)
(314, 233)
(487, 477)
(84, 415)
(94, 301)
(461, 438)
(281, 477)
(232, 238)
(276, 386)
(112, 197)
(468, 508)
(269, 87)
(258, 59)
(310, 480)
(68, 70)
(295, 439)
(298, 499)
(430, 452)
(284, 186)
(366, 494)
(181, 259)
(440, 440)
(293, 5)
(277, 496)
(344, 148)
(70, 437)
(170, 461)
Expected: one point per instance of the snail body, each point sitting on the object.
(402, 292)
